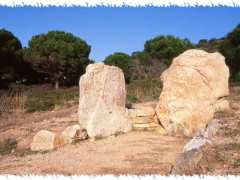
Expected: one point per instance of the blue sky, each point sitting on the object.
(110, 30)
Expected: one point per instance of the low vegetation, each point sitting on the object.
(143, 90)
(7, 146)
(37, 98)
(45, 98)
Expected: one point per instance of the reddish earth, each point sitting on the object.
(132, 153)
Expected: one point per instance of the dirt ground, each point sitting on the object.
(137, 153)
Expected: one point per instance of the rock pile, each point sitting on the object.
(194, 87)
(45, 140)
(194, 150)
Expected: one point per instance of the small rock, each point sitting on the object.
(195, 143)
(221, 106)
(212, 128)
(43, 140)
(71, 134)
(81, 134)
(187, 162)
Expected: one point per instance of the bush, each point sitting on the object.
(7, 146)
(237, 77)
(143, 90)
(39, 100)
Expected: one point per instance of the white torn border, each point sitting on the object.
(112, 177)
(120, 3)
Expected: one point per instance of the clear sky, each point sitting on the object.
(110, 30)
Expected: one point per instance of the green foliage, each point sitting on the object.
(58, 56)
(230, 48)
(237, 76)
(10, 57)
(166, 47)
(143, 57)
(132, 99)
(211, 45)
(45, 100)
(7, 146)
(122, 61)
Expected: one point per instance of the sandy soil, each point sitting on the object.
(132, 153)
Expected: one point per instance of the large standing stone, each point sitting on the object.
(192, 85)
(102, 101)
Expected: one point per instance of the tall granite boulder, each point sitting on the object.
(194, 87)
(102, 101)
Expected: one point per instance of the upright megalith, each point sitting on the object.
(194, 87)
(102, 101)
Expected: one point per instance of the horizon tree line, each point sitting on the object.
(60, 58)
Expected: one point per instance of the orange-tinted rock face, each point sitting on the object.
(191, 86)
(102, 101)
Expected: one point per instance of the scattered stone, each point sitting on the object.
(187, 162)
(192, 85)
(212, 128)
(44, 140)
(81, 135)
(102, 101)
(195, 143)
(221, 105)
(71, 134)
(204, 136)
(194, 150)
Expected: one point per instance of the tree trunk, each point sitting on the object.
(56, 84)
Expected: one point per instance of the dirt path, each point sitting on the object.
(132, 153)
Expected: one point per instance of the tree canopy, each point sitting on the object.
(10, 56)
(166, 47)
(122, 61)
(58, 56)
(230, 48)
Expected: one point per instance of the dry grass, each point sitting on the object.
(143, 90)
(13, 101)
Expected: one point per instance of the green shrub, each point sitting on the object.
(237, 77)
(7, 146)
(132, 99)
